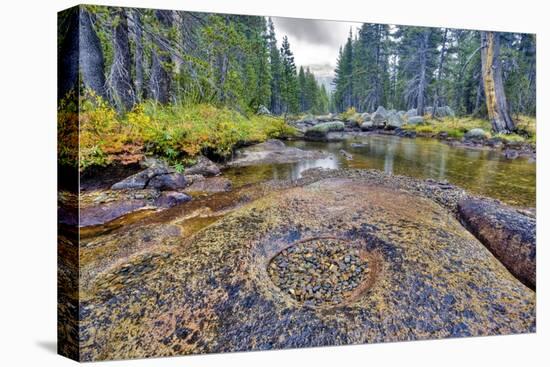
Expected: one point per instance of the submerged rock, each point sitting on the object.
(272, 152)
(511, 154)
(346, 155)
(428, 277)
(507, 233)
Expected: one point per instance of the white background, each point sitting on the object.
(28, 181)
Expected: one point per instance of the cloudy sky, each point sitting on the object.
(315, 43)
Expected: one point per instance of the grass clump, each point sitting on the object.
(454, 127)
(176, 132)
(348, 115)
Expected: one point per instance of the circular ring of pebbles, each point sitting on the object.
(320, 271)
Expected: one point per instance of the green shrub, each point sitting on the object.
(173, 132)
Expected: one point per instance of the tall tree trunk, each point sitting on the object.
(159, 81)
(379, 70)
(440, 72)
(68, 51)
(138, 54)
(120, 76)
(91, 62)
(422, 81)
(479, 95)
(497, 106)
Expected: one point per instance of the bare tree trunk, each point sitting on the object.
(120, 77)
(497, 106)
(159, 82)
(422, 81)
(68, 51)
(138, 55)
(91, 62)
(479, 95)
(439, 72)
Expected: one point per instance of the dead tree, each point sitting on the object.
(119, 83)
(495, 98)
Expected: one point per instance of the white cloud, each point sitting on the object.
(315, 43)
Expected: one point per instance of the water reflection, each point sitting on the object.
(484, 172)
(326, 163)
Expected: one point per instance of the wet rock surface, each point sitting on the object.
(507, 233)
(272, 152)
(98, 208)
(212, 291)
(156, 177)
(210, 184)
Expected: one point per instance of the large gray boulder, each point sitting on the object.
(379, 117)
(141, 179)
(167, 182)
(155, 177)
(325, 118)
(308, 119)
(366, 116)
(411, 113)
(204, 166)
(367, 125)
(394, 121)
(319, 132)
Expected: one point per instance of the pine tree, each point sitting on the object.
(343, 76)
(303, 93)
(276, 70)
(289, 80)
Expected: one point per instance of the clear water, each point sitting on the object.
(480, 171)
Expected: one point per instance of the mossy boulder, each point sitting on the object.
(319, 132)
